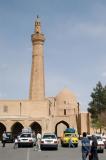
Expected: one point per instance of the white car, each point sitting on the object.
(100, 147)
(49, 140)
(26, 139)
(104, 140)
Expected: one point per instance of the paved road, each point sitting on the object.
(8, 153)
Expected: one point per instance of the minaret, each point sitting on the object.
(37, 84)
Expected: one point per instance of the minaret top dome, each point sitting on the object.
(38, 19)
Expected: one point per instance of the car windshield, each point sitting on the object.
(98, 137)
(25, 135)
(49, 137)
(90, 137)
(67, 135)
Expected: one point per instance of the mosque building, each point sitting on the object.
(41, 113)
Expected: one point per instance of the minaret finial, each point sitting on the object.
(37, 16)
(37, 25)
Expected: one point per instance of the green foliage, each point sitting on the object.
(97, 106)
(96, 124)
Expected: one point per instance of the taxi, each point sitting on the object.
(65, 140)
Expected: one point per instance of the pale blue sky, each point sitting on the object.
(74, 50)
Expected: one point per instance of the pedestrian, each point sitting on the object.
(4, 136)
(71, 142)
(85, 146)
(15, 143)
(38, 141)
(93, 152)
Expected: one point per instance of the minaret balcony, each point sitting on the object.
(38, 37)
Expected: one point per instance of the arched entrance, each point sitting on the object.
(60, 127)
(36, 127)
(2, 129)
(16, 128)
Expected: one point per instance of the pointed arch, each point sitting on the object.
(2, 129)
(35, 126)
(60, 127)
(16, 128)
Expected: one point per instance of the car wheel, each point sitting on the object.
(56, 148)
(32, 145)
(102, 151)
(18, 146)
(76, 145)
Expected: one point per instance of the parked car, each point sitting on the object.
(49, 140)
(66, 139)
(9, 137)
(90, 138)
(100, 147)
(26, 139)
(104, 140)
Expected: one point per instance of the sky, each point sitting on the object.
(74, 50)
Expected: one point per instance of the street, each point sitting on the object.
(8, 153)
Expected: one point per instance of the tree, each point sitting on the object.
(102, 119)
(97, 106)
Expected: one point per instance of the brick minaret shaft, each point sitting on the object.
(37, 84)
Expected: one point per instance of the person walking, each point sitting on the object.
(85, 146)
(93, 152)
(38, 141)
(15, 143)
(34, 138)
(4, 136)
(71, 142)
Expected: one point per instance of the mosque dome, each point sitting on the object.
(66, 96)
